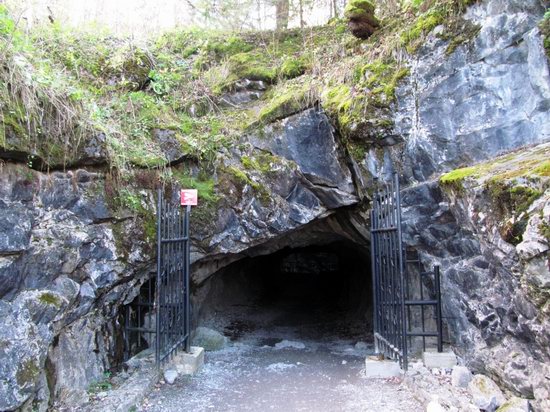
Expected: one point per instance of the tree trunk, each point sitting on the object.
(282, 9)
(302, 14)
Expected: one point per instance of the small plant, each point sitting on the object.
(101, 385)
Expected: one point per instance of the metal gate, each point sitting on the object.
(161, 313)
(388, 270)
(396, 288)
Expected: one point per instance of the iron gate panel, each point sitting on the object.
(160, 315)
(396, 288)
(172, 287)
(390, 329)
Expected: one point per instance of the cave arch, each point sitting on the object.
(301, 291)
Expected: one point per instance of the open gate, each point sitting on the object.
(161, 313)
(396, 290)
(388, 269)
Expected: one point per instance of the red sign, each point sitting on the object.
(189, 197)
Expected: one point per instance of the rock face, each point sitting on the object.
(69, 259)
(208, 339)
(60, 275)
(297, 174)
(495, 293)
(486, 97)
(487, 395)
(461, 376)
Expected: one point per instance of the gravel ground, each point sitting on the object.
(287, 369)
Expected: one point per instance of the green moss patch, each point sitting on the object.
(50, 299)
(262, 162)
(362, 110)
(253, 66)
(357, 9)
(242, 178)
(424, 24)
(27, 373)
(512, 183)
(544, 27)
(286, 100)
(455, 178)
(293, 67)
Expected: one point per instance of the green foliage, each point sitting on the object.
(348, 106)
(383, 77)
(424, 24)
(262, 162)
(204, 184)
(242, 179)
(454, 179)
(359, 107)
(101, 385)
(356, 9)
(513, 200)
(544, 27)
(285, 101)
(130, 200)
(48, 298)
(544, 229)
(253, 66)
(543, 169)
(357, 150)
(293, 67)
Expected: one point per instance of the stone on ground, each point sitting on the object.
(435, 406)
(486, 394)
(515, 404)
(361, 345)
(170, 376)
(375, 368)
(443, 360)
(461, 376)
(289, 344)
(209, 339)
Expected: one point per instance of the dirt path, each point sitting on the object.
(257, 373)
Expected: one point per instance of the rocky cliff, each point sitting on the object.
(77, 212)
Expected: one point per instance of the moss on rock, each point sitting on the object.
(49, 298)
(454, 179)
(544, 27)
(286, 100)
(293, 67)
(359, 8)
(253, 66)
(361, 19)
(27, 373)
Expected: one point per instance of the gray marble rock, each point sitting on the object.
(486, 394)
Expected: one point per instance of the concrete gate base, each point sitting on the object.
(443, 360)
(376, 368)
(188, 363)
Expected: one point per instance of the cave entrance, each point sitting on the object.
(314, 292)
